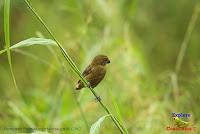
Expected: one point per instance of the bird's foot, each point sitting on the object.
(98, 98)
(89, 85)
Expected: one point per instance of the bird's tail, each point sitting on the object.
(79, 85)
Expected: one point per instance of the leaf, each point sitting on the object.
(30, 42)
(7, 39)
(96, 126)
(40, 132)
(33, 41)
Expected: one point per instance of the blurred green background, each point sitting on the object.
(142, 86)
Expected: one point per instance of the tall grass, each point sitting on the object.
(7, 41)
(187, 37)
(75, 69)
(138, 89)
(182, 51)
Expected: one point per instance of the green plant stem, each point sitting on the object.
(186, 39)
(7, 41)
(73, 66)
(73, 92)
(174, 75)
(121, 125)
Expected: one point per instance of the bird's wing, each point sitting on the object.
(95, 76)
(87, 70)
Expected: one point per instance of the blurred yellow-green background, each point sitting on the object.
(144, 84)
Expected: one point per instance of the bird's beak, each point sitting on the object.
(108, 61)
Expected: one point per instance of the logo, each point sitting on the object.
(181, 122)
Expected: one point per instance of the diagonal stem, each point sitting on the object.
(186, 39)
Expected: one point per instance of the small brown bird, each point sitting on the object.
(95, 72)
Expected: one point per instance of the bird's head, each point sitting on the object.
(100, 60)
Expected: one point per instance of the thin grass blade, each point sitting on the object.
(30, 42)
(7, 39)
(96, 126)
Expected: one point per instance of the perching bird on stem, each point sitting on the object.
(95, 71)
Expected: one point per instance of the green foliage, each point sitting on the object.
(39, 132)
(142, 39)
(30, 42)
(19, 113)
(7, 39)
(96, 126)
